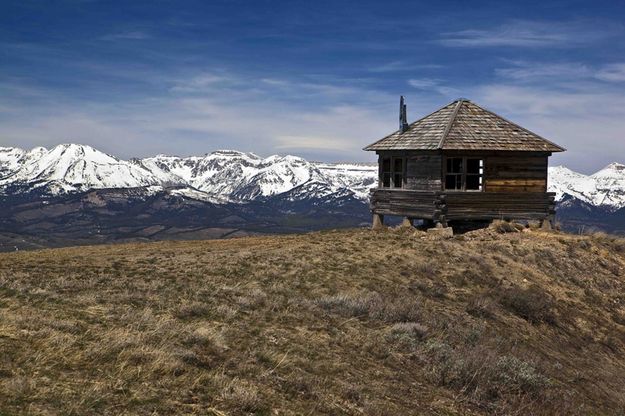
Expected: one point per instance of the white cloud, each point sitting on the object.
(589, 122)
(207, 112)
(561, 72)
(424, 83)
(431, 84)
(398, 66)
(321, 120)
(200, 82)
(612, 72)
(532, 71)
(523, 33)
(128, 35)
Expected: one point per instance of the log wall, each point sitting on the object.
(443, 206)
(503, 173)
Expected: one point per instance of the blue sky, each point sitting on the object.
(318, 79)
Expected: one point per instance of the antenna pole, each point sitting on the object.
(403, 119)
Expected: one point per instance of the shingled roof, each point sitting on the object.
(463, 125)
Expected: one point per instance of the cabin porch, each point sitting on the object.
(443, 206)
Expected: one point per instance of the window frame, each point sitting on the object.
(464, 174)
(392, 172)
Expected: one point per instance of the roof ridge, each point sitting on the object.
(462, 124)
(450, 123)
(520, 127)
(409, 126)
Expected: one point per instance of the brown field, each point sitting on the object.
(344, 322)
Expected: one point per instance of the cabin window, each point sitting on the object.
(398, 172)
(453, 177)
(464, 174)
(386, 172)
(392, 174)
(475, 173)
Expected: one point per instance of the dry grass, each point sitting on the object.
(342, 322)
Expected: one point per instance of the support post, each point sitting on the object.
(378, 222)
(547, 223)
(442, 221)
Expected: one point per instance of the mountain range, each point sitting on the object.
(74, 193)
(224, 176)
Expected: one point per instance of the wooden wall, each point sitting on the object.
(503, 171)
(515, 173)
(453, 205)
(423, 172)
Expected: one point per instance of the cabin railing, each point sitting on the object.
(456, 205)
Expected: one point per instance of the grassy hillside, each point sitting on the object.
(345, 322)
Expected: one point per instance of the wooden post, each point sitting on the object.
(442, 221)
(378, 222)
(407, 222)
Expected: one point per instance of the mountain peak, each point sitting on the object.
(233, 153)
(615, 166)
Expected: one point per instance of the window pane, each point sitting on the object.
(473, 182)
(454, 165)
(398, 180)
(458, 165)
(386, 164)
(399, 165)
(453, 182)
(386, 180)
(450, 182)
(473, 165)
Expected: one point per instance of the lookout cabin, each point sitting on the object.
(462, 163)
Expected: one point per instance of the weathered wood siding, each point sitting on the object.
(497, 205)
(423, 172)
(402, 202)
(453, 205)
(515, 173)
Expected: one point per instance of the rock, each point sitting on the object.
(446, 232)
(406, 223)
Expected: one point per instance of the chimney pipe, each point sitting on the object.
(403, 122)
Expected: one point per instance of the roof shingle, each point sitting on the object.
(463, 125)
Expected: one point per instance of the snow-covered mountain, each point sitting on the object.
(68, 168)
(228, 176)
(220, 177)
(73, 194)
(605, 188)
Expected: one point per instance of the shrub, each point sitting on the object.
(242, 396)
(482, 374)
(192, 310)
(373, 306)
(407, 334)
(515, 375)
(506, 227)
(481, 306)
(531, 304)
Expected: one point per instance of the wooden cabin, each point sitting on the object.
(462, 162)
